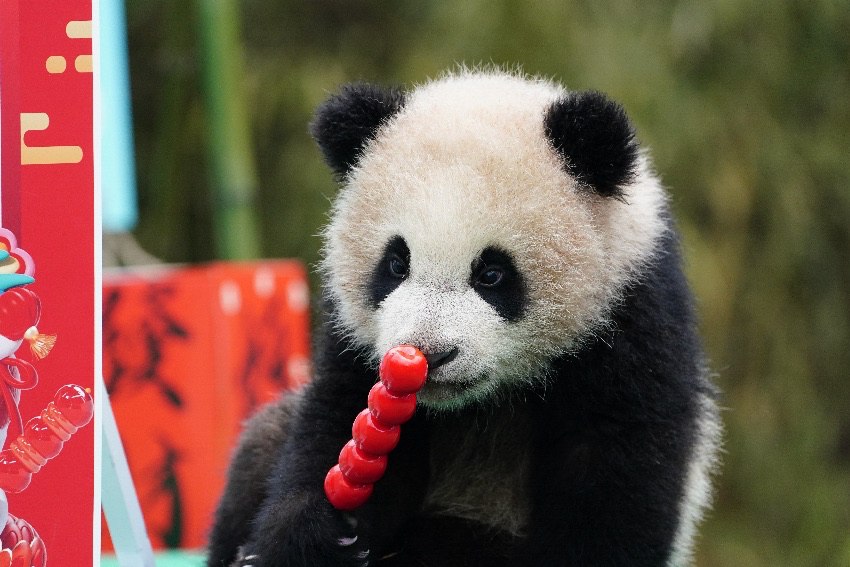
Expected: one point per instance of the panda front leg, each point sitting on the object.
(295, 525)
(607, 496)
(259, 445)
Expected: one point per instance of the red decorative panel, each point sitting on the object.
(188, 355)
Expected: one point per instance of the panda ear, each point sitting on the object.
(596, 140)
(346, 122)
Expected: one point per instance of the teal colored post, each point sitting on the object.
(118, 166)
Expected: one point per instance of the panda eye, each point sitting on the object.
(490, 277)
(495, 278)
(398, 267)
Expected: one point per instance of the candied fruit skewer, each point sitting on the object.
(376, 430)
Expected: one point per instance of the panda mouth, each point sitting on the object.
(443, 385)
(438, 359)
(443, 391)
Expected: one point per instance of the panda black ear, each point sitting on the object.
(594, 136)
(346, 122)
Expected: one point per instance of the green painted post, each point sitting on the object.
(231, 155)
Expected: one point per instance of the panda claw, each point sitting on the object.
(363, 557)
(246, 561)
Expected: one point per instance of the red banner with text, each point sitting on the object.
(49, 503)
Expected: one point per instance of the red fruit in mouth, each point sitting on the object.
(392, 401)
(390, 409)
(20, 309)
(361, 467)
(372, 436)
(344, 494)
(403, 370)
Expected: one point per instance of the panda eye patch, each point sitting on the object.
(495, 278)
(390, 271)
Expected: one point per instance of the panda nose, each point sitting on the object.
(437, 359)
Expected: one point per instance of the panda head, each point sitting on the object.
(489, 219)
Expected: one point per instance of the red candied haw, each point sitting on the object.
(361, 467)
(20, 309)
(403, 370)
(75, 404)
(14, 476)
(344, 494)
(39, 435)
(372, 436)
(390, 409)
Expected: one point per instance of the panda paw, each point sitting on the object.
(346, 553)
(349, 548)
(313, 537)
(340, 557)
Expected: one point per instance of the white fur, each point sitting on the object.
(698, 489)
(465, 165)
(437, 316)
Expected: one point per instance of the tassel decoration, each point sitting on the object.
(40, 344)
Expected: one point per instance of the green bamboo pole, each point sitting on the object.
(231, 155)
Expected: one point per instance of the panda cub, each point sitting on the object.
(515, 233)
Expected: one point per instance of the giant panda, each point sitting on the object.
(515, 232)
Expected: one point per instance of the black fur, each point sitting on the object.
(260, 444)
(384, 281)
(347, 122)
(508, 297)
(611, 438)
(614, 435)
(596, 140)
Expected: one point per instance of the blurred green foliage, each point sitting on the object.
(745, 106)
